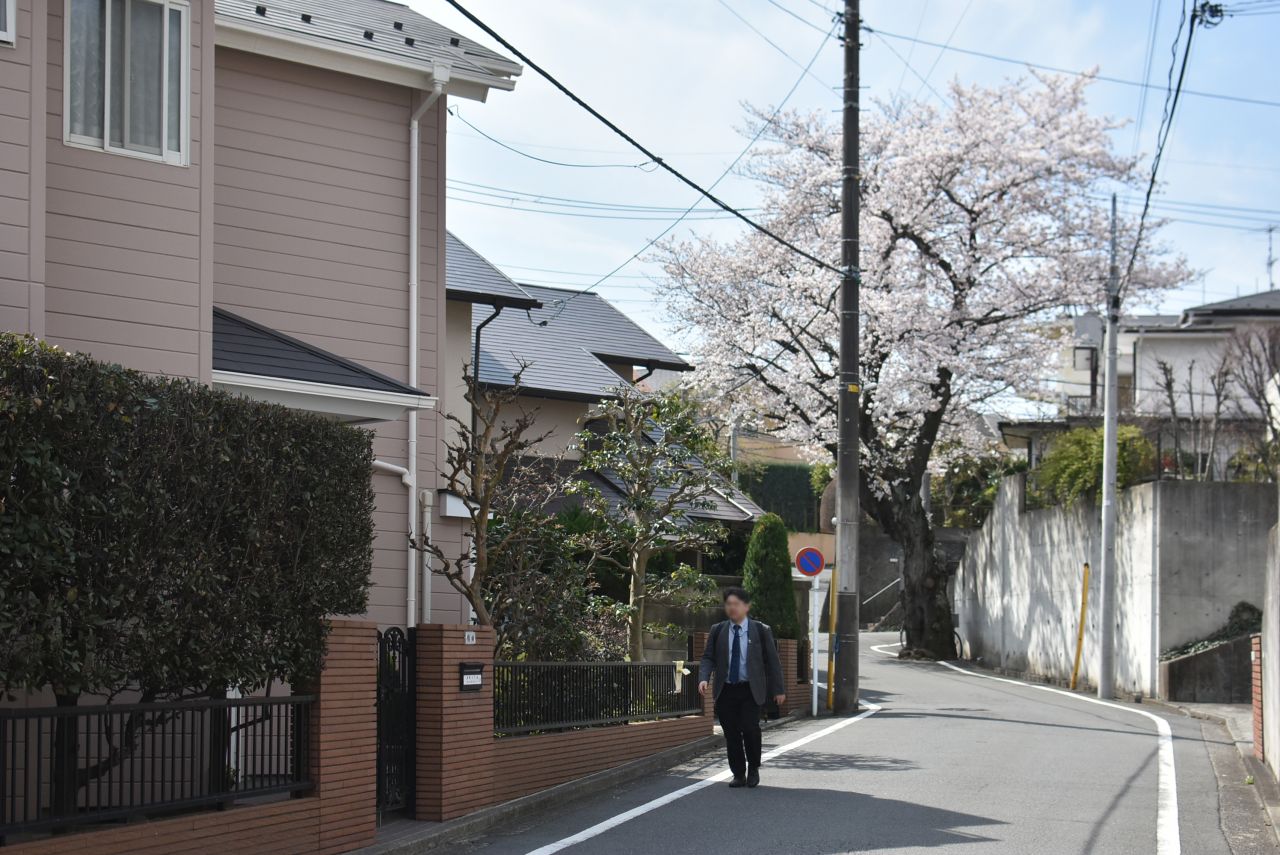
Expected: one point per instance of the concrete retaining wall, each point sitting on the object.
(1185, 552)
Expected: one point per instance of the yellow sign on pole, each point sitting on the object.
(1084, 606)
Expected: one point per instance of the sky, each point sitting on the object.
(675, 74)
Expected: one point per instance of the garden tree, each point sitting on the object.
(767, 577)
(489, 465)
(1253, 359)
(644, 443)
(979, 222)
(1199, 409)
(965, 493)
(541, 594)
(1072, 467)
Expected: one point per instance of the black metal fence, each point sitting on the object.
(544, 696)
(67, 766)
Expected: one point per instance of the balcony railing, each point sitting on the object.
(547, 696)
(68, 766)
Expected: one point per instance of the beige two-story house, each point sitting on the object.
(249, 194)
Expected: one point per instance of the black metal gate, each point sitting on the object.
(396, 721)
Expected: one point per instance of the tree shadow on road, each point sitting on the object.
(822, 761)
(828, 822)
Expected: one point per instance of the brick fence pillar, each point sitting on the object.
(1256, 670)
(344, 738)
(455, 728)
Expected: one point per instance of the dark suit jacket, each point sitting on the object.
(763, 668)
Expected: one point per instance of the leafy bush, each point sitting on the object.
(159, 536)
(786, 489)
(767, 577)
(1072, 468)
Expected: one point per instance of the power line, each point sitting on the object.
(810, 24)
(952, 35)
(457, 114)
(797, 63)
(906, 66)
(1059, 70)
(579, 214)
(636, 144)
(1166, 127)
(566, 201)
(906, 63)
(1146, 73)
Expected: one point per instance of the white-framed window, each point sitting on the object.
(8, 22)
(126, 79)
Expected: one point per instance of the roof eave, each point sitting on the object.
(241, 35)
(463, 295)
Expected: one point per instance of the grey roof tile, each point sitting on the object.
(1266, 302)
(567, 356)
(469, 277)
(396, 31)
(247, 347)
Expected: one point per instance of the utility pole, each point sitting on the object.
(845, 679)
(1107, 578)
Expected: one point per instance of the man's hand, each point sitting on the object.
(779, 699)
(702, 688)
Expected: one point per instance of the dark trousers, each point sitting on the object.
(739, 716)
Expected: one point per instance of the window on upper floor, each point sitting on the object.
(126, 81)
(8, 24)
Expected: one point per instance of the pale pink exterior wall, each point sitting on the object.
(311, 237)
(124, 240)
(21, 216)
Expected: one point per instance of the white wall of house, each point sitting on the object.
(1193, 356)
(562, 419)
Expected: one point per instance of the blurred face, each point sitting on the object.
(735, 608)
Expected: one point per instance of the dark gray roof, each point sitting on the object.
(397, 32)
(1264, 303)
(472, 279)
(246, 347)
(567, 357)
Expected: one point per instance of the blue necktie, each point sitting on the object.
(735, 658)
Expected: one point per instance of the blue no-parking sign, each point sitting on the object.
(809, 561)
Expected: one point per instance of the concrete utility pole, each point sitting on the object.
(1107, 576)
(845, 679)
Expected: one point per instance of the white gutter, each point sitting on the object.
(384, 466)
(425, 499)
(439, 78)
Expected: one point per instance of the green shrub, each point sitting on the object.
(1072, 468)
(767, 577)
(157, 535)
(787, 489)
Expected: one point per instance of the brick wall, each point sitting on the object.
(455, 728)
(338, 816)
(463, 767)
(1256, 670)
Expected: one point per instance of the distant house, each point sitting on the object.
(571, 349)
(1192, 345)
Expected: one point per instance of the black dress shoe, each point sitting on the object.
(753, 778)
(740, 782)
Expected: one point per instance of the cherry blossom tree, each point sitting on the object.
(980, 224)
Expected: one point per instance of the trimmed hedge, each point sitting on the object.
(766, 575)
(159, 536)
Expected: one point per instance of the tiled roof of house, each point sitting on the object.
(1263, 303)
(376, 28)
(567, 345)
(470, 278)
(246, 347)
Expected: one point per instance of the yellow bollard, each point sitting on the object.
(831, 641)
(1084, 606)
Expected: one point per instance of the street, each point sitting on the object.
(950, 762)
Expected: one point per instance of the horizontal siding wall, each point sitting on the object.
(123, 239)
(311, 237)
(15, 175)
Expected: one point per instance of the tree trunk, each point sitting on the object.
(926, 608)
(635, 642)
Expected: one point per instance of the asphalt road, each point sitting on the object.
(950, 762)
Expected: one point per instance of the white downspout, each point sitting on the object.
(425, 498)
(439, 77)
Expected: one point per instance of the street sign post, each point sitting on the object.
(810, 562)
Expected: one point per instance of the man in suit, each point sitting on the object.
(744, 657)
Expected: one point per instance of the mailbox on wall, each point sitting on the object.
(470, 676)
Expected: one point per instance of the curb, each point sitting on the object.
(450, 831)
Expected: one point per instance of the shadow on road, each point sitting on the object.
(821, 761)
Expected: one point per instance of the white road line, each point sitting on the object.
(614, 821)
(1168, 835)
